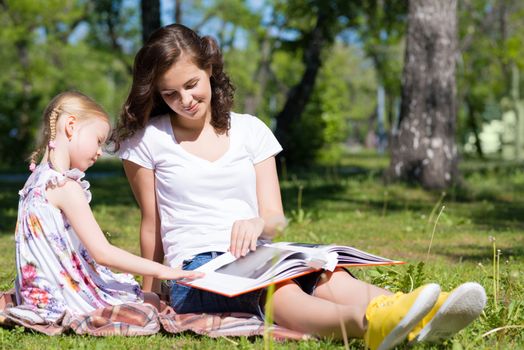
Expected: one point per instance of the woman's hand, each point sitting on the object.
(169, 273)
(244, 236)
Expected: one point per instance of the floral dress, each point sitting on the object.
(55, 272)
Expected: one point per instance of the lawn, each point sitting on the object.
(471, 233)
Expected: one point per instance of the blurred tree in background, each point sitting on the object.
(423, 149)
(381, 27)
(492, 34)
(51, 46)
(313, 70)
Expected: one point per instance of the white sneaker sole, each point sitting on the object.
(422, 305)
(463, 305)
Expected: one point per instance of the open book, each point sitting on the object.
(276, 262)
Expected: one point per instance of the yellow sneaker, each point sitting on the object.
(391, 317)
(452, 312)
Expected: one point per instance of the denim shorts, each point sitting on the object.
(185, 299)
(191, 300)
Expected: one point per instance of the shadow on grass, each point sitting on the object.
(477, 252)
(491, 208)
(494, 208)
(500, 215)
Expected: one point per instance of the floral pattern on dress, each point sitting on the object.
(55, 273)
(34, 225)
(28, 273)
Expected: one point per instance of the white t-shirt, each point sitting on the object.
(199, 200)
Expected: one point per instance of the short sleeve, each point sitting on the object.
(135, 149)
(262, 144)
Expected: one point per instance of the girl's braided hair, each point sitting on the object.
(70, 103)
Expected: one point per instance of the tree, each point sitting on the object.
(49, 47)
(150, 17)
(114, 28)
(423, 149)
(491, 42)
(330, 17)
(27, 53)
(381, 28)
(178, 11)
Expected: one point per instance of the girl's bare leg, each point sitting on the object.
(153, 299)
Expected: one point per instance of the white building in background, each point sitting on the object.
(504, 136)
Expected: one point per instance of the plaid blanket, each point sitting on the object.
(139, 319)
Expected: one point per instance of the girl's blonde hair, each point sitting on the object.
(71, 103)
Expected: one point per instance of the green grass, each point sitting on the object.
(350, 206)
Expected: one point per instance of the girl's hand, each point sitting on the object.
(244, 236)
(169, 273)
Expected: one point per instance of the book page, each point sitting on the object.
(319, 255)
(256, 263)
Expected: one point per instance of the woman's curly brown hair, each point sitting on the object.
(163, 48)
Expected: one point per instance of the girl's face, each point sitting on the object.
(86, 142)
(186, 89)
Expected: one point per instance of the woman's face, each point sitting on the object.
(186, 89)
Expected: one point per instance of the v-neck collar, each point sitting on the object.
(198, 158)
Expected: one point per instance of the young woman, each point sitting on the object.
(206, 183)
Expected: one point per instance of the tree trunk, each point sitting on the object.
(474, 125)
(299, 94)
(261, 76)
(150, 17)
(178, 11)
(423, 149)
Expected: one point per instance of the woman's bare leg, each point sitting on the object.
(339, 299)
(297, 310)
(339, 287)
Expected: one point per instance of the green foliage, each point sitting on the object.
(287, 68)
(299, 215)
(235, 12)
(47, 54)
(345, 85)
(49, 46)
(489, 49)
(412, 277)
(241, 72)
(381, 27)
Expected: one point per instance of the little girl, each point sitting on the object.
(206, 183)
(62, 256)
